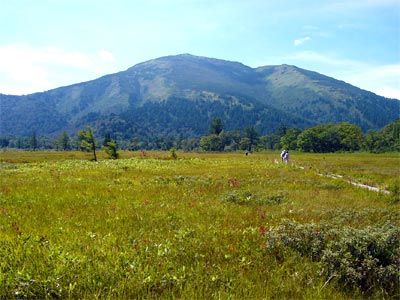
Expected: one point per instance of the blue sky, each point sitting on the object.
(46, 44)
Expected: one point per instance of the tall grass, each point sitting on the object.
(203, 226)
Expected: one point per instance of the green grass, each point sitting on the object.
(199, 227)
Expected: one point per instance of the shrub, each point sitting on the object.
(367, 259)
(249, 198)
(395, 192)
(309, 240)
(172, 153)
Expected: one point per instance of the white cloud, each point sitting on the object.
(106, 56)
(383, 80)
(321, 59)
(388, 92)
(27, 69)
(301, 41)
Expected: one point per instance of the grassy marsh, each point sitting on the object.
(199, 227)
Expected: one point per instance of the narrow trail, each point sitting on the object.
(364, 186)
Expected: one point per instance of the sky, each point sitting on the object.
(45, 44)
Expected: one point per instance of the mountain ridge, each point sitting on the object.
(265, 97)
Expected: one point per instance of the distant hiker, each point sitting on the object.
(283, 153)
(286, 157)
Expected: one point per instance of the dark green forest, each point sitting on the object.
(330, 137)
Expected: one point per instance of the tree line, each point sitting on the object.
(318, 139)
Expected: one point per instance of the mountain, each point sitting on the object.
(181, 94)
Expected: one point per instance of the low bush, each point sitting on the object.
(250, 198)
(394, 190)
(365, 259)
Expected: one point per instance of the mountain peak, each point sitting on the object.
(187, 58)
(180, 93)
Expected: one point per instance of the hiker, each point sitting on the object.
(283, 153)
(286, 157)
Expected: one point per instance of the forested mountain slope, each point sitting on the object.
(182, 93)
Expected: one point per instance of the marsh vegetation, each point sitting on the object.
(198, 226)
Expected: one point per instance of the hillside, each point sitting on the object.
(181, 94)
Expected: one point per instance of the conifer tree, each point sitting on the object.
(88, 141)
(34, 142)
(111, 150)
(64, 141)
